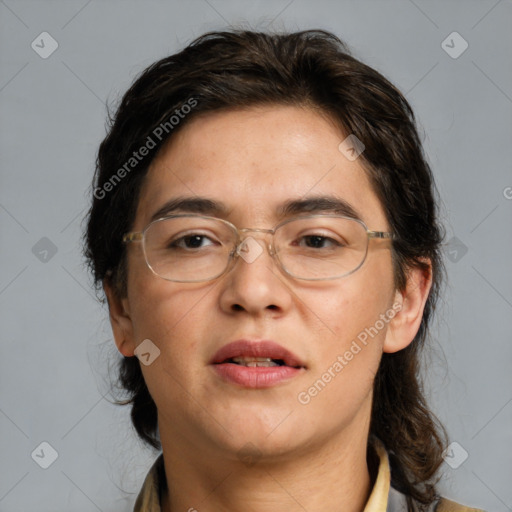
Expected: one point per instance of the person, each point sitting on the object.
(264, 227)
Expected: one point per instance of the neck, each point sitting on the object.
(333, 477)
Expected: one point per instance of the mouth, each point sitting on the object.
(256, 364)
(256, 354)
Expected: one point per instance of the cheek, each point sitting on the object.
(356, 314)
(177, 319)
(349, 308)
(157, 307)
(340, 382)
(351, 353)
(174, 321)
(169, 315)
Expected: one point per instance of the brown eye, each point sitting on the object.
(318, 241)
(191, 242)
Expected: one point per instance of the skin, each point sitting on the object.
(310, 457)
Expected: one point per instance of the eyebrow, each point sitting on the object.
(201, 205)
(292, 207)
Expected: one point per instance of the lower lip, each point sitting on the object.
(255, 377)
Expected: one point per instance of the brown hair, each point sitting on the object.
(313, 68)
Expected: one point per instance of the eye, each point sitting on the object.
(317, 241)
(192, 241)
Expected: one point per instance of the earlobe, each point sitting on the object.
(120, 320)
(404, 326)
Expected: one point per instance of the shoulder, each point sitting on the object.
(148, 499)
(446, 505)
(398, 502)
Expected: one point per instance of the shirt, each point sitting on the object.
(383, 497)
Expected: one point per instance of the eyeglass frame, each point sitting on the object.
(139, 236)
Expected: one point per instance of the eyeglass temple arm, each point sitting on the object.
(379, 234)
(132, 237)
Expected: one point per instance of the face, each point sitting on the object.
(254, 161)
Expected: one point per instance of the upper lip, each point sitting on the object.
(263, 348)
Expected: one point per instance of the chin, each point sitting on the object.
(274, 434)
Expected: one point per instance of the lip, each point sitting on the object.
(256, 377)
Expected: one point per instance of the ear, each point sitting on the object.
(120, 320)
(409, 304)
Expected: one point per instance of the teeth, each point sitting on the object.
(254, 361)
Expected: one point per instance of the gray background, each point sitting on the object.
(55, 338)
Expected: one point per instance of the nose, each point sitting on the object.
(254, 284)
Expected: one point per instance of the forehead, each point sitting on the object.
(255, 160)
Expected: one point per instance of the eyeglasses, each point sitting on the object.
(194, 248)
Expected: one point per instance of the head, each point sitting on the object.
(252, 121)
